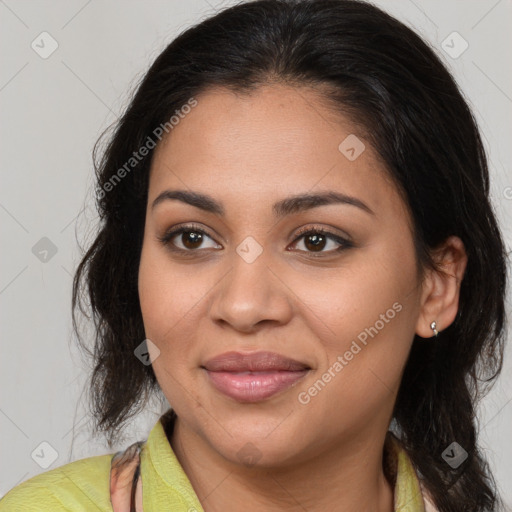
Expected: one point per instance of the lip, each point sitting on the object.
(253, 362)
(253, 377)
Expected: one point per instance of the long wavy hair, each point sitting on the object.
(389, 81)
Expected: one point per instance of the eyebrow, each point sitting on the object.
(288, 206)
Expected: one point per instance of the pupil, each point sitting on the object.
(318, 242)
(196, 239)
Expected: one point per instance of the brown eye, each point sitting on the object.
(186, 239)
(317, 239)
(315, 242)
(191, 239)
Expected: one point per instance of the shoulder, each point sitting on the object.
(82, 485)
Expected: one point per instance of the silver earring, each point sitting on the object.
(433, 326)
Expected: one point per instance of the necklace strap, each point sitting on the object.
(125, 480)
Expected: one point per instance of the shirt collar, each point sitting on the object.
(400, 471)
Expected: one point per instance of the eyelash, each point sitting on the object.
(344, 243)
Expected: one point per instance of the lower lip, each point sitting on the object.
(254, 387)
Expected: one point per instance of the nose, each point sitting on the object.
(252, 294)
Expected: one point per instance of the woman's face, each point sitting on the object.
(244, 279)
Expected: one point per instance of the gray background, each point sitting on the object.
(53, 110)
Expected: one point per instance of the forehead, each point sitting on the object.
(275, 141)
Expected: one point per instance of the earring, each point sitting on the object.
(433, 326)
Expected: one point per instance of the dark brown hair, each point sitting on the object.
(393, 84)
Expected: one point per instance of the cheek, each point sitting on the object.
(364, 316)
(165, 298)
(372, 295)
(173, 303)
(166, 305)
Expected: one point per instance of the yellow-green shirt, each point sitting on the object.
(84, 485)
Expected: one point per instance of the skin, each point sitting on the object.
(248, 152)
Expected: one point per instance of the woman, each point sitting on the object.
(298, 249)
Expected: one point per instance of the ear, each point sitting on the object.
(441, 287)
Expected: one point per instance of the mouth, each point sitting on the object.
(253, 377)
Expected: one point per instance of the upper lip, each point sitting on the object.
(255, 361)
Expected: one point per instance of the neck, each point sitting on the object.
(348, 477)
